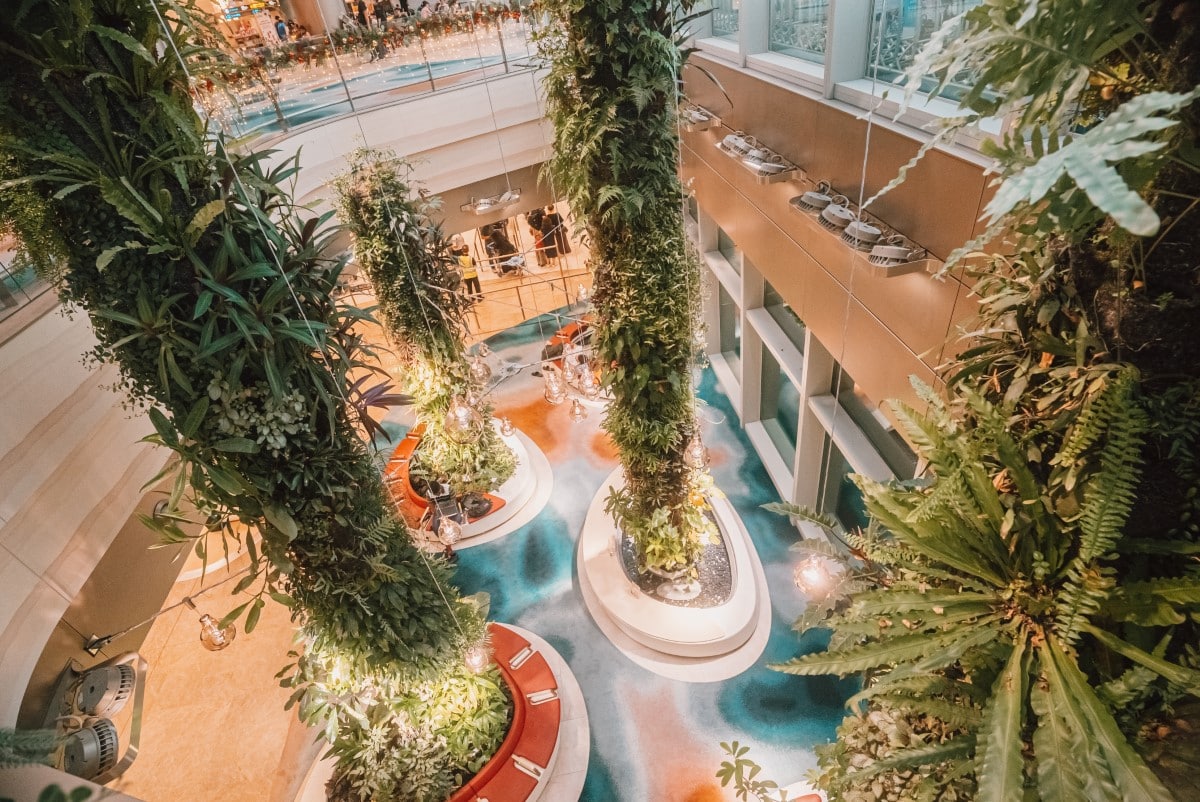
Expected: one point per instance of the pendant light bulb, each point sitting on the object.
(577, 412)
(463, 422)
(479, 371)
(212, 637)
(478, 658)
(695, 455)
(583, 295)
(506, 427)
(449, 531)
(813, 577)
(483, 350)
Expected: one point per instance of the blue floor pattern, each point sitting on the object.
(653, 739)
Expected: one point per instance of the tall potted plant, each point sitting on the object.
(612, 95)
(211, 291)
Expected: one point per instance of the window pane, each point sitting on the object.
(731, 332)
(780, 411)
(783, 315)
(886, 440)
(725, 18)
(798, 28)
(729, 250)
(907, 26)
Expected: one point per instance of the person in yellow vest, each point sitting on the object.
(470, 276)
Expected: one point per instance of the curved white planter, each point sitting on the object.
(683, 631)
(516, 490)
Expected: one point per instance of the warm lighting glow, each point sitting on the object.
(449, 531)
(577, 412)
(212, 636)
(695, 455)
(463, 422)
(478, 658)
(813, 577)
(480, 372)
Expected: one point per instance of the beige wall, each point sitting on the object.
(71, 469)
(883, 329)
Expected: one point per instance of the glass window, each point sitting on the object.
(907, 26)
(729, 250)
(798, 28)
(780, 413)
(725, 18)
(842, 498)
(878, 429)
(731, 332)
(691, 208)
(783, 315)
(18, 285)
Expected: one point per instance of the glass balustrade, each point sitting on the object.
(270, 89)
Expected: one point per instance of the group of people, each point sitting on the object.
(550, 238)
(549, 235)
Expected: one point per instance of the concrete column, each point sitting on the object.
(319, 16)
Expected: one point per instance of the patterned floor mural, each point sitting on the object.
(653, 739)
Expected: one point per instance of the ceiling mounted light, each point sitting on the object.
(492, 203)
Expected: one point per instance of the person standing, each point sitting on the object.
(534, 219)
(550, 223)
(361, 13)
(562, 243)
(281, 29)
(470, 275)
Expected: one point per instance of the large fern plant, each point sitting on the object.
(996, 602)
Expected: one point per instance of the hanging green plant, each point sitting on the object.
(612, 95)
(415, 278)
(212, 292)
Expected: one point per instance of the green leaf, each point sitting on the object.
(998, 758)
(239, 445)
(255, 612)
(202, 220)
(1133, 778)
(279, 517)
(1056, 745)
(1186, 678)
(164, 428)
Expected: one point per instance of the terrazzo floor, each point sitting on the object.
(653, 739)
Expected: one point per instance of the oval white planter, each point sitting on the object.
(663, 627)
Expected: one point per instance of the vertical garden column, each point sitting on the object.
(612, 95)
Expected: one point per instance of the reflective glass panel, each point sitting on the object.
(906, 26)
(725, 18)
(780, 413)
(798, 28)
(731, 332)
(782, 314)
(729, 250)
(877, 428)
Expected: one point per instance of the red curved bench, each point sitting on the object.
(396, 473)
(533, 734)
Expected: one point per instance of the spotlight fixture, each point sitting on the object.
(577, 412)
(492, 203)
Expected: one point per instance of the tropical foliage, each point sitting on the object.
(213, 294)
(1029, 608)
(403, 252)
(612, 95)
